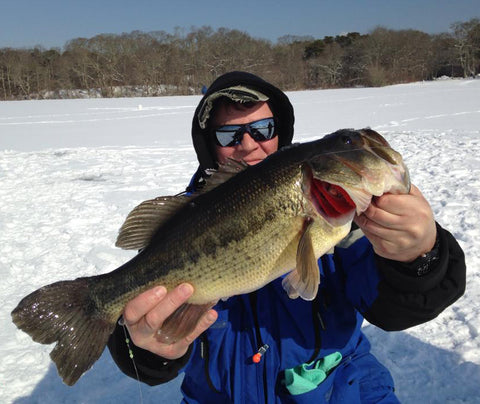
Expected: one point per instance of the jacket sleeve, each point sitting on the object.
(405, 300)
(152, 369)
(392, 296)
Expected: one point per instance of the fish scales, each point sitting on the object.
(269, 214)
(248, 227)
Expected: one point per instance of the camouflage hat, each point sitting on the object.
(235, 93)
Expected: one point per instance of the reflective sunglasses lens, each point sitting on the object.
(230, 135)
(263, 130)
(226, 137)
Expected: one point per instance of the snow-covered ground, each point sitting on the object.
(71, 170)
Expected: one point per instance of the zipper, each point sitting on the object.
(204, 353)
(318, 324)
(258, 336)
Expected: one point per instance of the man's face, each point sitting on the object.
(249, 150)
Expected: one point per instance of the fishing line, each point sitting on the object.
(130, 353)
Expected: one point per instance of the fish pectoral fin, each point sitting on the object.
(290, 284)
(182, 322)
(145, 219)
(304, 280)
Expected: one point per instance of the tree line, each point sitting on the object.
(161, 63)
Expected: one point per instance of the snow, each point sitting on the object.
(71, 170)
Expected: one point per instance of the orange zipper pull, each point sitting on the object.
(258, 356)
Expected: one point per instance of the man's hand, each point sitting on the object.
(400, 227)
(145, 314)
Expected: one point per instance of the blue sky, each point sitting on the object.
(50, 23)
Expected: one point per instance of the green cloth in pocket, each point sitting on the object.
(306, 377)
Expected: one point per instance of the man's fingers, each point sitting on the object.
(156, 304)
(142, 304)
(205, 322)
(171, 302)
(177, 297)
(145, 314)
(377, 213)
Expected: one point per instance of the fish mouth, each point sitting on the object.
(355, 166)
(332, 201)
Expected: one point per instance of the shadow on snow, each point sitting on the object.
(103, 383)
(423, 373)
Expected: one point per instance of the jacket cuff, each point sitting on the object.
(422, 274)
(152, 369)
(404, 300)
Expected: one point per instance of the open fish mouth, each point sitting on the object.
(354, 167)
(331, 201)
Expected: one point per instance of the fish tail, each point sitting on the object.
(65, 313)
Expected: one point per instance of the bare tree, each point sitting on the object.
(467, 44)
(180, 63)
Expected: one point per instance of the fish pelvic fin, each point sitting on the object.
(182, 322)
(64, 312)
(304, 280)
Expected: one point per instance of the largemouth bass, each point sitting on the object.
(248, 226)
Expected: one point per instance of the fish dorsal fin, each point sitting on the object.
(224, 172)
(145, 219)
(304, 280)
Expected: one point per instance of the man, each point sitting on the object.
(265, 347)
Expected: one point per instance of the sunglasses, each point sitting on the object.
(231, 135)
